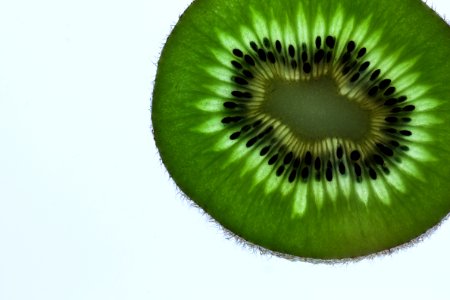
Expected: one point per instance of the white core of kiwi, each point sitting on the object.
(315, 110)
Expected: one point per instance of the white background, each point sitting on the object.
(86, 209)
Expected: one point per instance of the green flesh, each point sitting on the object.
(322, 219)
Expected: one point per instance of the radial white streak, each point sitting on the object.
(362, 192)
(380, 190)
(300, 200)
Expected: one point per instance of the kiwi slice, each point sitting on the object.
(313, 129)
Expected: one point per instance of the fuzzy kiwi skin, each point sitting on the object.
(346, 227)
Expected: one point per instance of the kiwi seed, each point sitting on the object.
(313, 129)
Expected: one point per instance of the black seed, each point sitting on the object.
(409, 108)
(341, 168)
(291, 51)
(346, 57)
(308, 158)
(405, 132)
(378, 159)
(346, 70)
(330, 42)
(389, 91)
(247, 95)
(304, 56)
(254, 46)
(351, 46)
(358, 170)
(318, 42)
(248, 59)
(404, 148)
(390, 102)
(384, 83)
(373, 91)
(257, 123)
(364, 66)
(236, 64)
(355, 155)
(402, 99)
(248, 74)
(238, 53)
(228, 120)
(288, 158)
(354, 77)
(391, 119)
(396, 110)
(240, 81)
(294, 64)
(385, 150)
(266, 42)
(278, 46)
(292, 176)
(262, 134)
(317, 163)
(296, 163)
(390, 130)
(307, 68)
(251, 142)
(339, 152)
(271, 57)
(329, 56)
(280, 170)
(372, 174)
(237, 94)
(394, 143)
(269, 129)
(230, 105)
(305, 173)
(407, 120)
(318, 56)
(329, 174)
(235, 135)
(375, 74)
(361, 52)
(262, 54)
(264, 150)
(273, 159)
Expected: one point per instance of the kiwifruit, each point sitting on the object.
(314, 129)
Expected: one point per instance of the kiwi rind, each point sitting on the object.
(183, 111)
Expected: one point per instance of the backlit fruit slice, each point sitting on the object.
(315, 129)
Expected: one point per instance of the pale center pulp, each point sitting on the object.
(315, 109)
